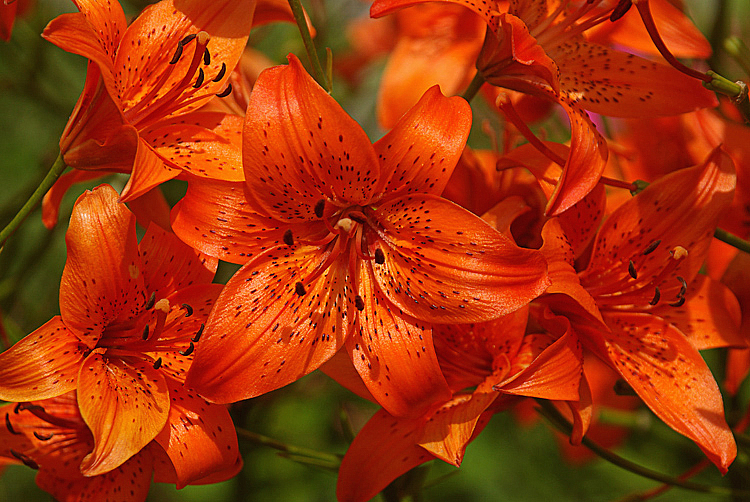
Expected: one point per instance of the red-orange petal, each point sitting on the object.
(668, 373)
(263, 335)
(394, 354)
(199, 437)
(443, 264)
(149, 171)
(419, 154)
(215, 218)
(102, 280)
(42, 365)
(169, 264)
(54, 196)
(125, 404)
(300, 146)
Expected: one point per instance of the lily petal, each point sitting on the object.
(54, 196)
(149, 171)
(124, 404)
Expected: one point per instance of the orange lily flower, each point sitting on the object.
(540, 48)
(130, 317)
(641, 306)
(51, 437)
(346, 245)
(136, 113)
(496, 358)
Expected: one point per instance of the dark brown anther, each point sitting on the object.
(9, 426)
(359, 303)
(288, 238)
(221, 73)
(622, 388)
(299, 288)
(17, 408)
(188, 309)
(379, 256)
(357, 218)
(26, 460)
(226, 92)
(679, 303)
(145, 332)
(42, 437)
(201, 76)
(187, 39)
(151, 301)
(632, 271)
(657, 295)
(189, 350)
(198, 334)
(319, 208)
(683, 289)
(157, 364)
(622, 8)
(651, 247)
(206, 57)
(177, 54)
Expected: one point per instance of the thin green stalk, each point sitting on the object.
(548, 411)
(299, 17)
(736, 90)
(296, 452)
(55, 171)
(474, 86)
(732, 240)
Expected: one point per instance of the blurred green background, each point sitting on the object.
(39, 85)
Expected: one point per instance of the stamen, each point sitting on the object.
(379, 256)
(620, 10)
(319, 208)
(345, 224)
(189, 350)
(632, 271)
(198, 334)
(225, 92)
(505, 105)
(683, 289)
(157, 364)
(221, 73)
(657, 295)
(26, 460)
(651, 247)
(187, 39)
(145, 332)
(206, 57)
(188, 308)
(9, 426)
(679, 303)
(199, 82)
(150, 303)
(359, 303)
(288, 238)
(299, 288)
(177, 54)
(42, 437)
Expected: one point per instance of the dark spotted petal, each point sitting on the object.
(263, 335)
(443, 264)
(125, 405)
(300, 146)
(102, 280)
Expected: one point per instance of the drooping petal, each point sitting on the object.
(443, 264)
(124, 404)
(151, 207)
(385, 448)
(419, 154)
(301, 146)
(205, 144)
(670, 376)
(42, 365)
(263, 335)
(102, 279)
(170, 265)
(394, 354)
(679, 209)
(199, 437)
(149, 171)
(619, 84)
(54, 196)
(215, 218)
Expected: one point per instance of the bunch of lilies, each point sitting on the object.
(443, 283)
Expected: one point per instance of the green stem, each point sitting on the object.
(474, 86)
(296, 452)
(299, 17)
(736, 90)
(55, 171)
(732, 240)
(548, 411)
